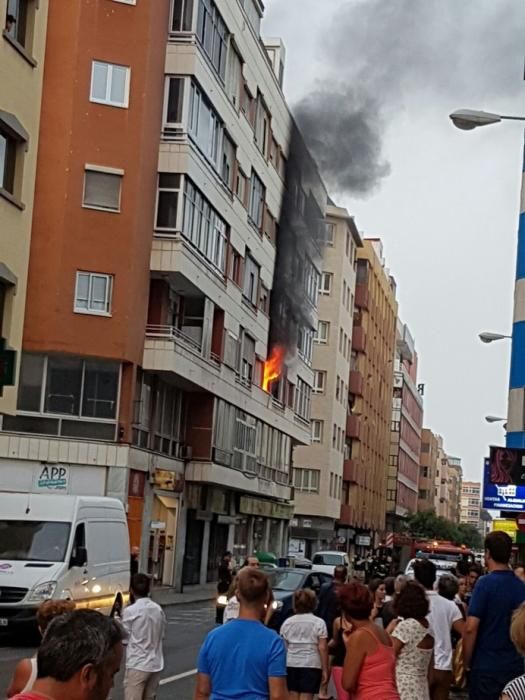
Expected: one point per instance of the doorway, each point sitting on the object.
(192, 554)
(218, 545)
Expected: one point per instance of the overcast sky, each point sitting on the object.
(381, 77)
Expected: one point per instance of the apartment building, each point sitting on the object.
(455, 480)
(369, 413)
(145, 341)
(441, 482)
(405, 436)
(226, 299)
(427, 470)
(22, 47)
(470, 510)
(318, 501)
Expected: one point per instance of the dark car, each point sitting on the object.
(284, 583)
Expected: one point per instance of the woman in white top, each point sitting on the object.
(25, 671)
(413, 642)
(306, 639)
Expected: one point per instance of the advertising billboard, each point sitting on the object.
(498, 495)
(507, 466)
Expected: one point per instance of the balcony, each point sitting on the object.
(359, 339)
(353, 427)
(357, 383)
(350, 470)
(347, 515)
(362, 296)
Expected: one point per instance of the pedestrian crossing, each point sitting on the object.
(191, 616)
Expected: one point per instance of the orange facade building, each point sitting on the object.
(370, 401)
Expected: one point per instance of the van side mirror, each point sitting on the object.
(79, 558)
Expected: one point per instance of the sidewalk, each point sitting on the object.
(164, 595)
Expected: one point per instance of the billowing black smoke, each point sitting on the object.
(386, 57)
(300, 239)
(348, 149)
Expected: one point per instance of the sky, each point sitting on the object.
(372, 83)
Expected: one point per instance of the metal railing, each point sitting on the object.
(173, 333)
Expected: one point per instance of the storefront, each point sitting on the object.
(218, 520)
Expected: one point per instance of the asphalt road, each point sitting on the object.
(187, 627)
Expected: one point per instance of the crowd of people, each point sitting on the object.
(395, 639)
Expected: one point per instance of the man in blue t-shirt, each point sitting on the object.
(488, 651)
(244, 659)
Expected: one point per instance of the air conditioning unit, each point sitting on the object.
(185, 452)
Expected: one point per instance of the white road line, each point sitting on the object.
(178, 677)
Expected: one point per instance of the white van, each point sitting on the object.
(61, 547)
(326, 562)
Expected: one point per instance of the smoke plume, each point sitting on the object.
(382, 57)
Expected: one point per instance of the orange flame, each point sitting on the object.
(272, 367)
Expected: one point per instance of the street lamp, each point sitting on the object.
(468, 119)
(495, 419)
(488, 337)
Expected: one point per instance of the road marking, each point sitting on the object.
(178, 677)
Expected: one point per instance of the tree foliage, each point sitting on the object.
(427, 525)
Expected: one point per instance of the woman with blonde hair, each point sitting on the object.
(25, 671)
(515, 690)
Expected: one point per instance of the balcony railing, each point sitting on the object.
(356, 383)
(362, 296)
(173, 333)
(358, 339)
(353, 427)
(350, 471)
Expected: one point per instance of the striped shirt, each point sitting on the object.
(515, 690)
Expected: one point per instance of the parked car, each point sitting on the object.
(301, 562)
(442, 567)
(327, 561)
(284, 583)
(56, 547)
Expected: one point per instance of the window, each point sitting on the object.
(173, 101)
(311, 280)
(213, 35)
(16, 20)
(323, 332)
(93, 293)
(70, 386)
(251, 280)
(337, 389)
(303, 399)
(317, 430)
(235, 267)
(305, 337)
(7, 161)
(228, 161)
(341, 340)
(203, 227)
(319, 381)
(330, 234)
(110, 84)
(234, 76)
(181, 15)
(241, 186)
(326, 283)
(257, 197)
(102, 188)
(247, 359)
(334, 435)
(167, 201)
(204, 125)
(262, 125)
(264, 300)
(307, 480)
(100, 390)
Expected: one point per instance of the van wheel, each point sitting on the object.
(116, 610)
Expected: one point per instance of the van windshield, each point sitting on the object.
(328, 559)
(32, 540)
